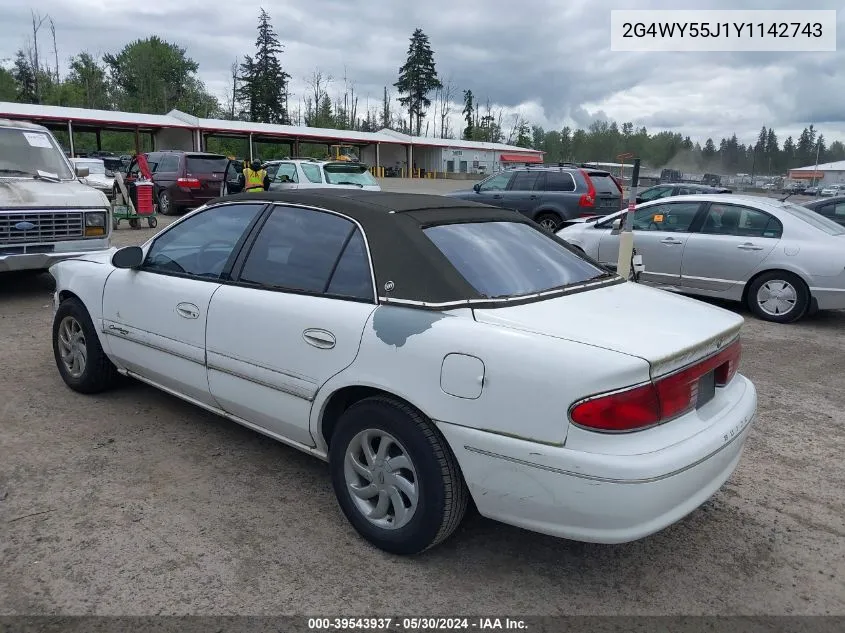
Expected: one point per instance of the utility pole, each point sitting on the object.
(816, 168)
(626, 237)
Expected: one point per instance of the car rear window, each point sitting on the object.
(510, 259)
(603, 182)
(352, 175)
(814, 219)
(206, 164)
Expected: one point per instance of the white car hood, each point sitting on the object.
(43, 194)
(667, 330)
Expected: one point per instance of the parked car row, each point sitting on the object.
(303, 173)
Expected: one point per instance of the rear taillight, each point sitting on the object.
(589, 198)
(188, 183)
(658, 401)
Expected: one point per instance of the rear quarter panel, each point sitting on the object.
(529, 380)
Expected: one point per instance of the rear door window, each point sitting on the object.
(730, 219)
(509, 259)
(559, 181)
(525, 181)
(168, 164)
(312, 173)
(310, 251)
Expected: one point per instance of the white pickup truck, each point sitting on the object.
(46, 213)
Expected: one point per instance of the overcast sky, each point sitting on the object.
(550, 60)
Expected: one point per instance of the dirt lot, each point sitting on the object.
(134, 502)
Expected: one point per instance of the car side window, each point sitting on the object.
(309, 251)
(838, 211)
(312, 173)
(559, 181)
(200, 245)
(134, 168)
(499, 182)
(655, 193)
(168, 164)
(674, 217)
(731, 219)
(286, 173)
(525, 180)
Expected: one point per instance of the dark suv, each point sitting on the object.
(182, 180)
(549, 195)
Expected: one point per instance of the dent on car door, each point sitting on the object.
(293, 320)
(661, 232)
(154, 317)
(732, 242)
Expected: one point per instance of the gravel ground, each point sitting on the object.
(135, 503)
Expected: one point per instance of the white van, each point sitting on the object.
(46, 213)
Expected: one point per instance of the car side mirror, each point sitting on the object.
(476, 187)
(82, 172)
(639, 200)
(128, 257)
(617, 224)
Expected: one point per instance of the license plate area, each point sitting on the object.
(706, 389)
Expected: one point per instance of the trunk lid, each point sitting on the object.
(666, 330)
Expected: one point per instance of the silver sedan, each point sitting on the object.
(779, 258)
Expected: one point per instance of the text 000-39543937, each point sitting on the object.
(740, 30)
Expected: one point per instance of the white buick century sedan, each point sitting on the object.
(435, 352)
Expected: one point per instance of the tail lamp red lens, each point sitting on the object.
(188, 183)
(658, 401)
(589, 198)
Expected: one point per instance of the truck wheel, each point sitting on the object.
(80, 358)
(395, 476)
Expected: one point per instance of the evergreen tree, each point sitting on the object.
(417, 78)
(264, 83)
(386, 115)
(789, 150)
(469, 115)
(25, 79)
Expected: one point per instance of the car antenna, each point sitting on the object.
(787, 196)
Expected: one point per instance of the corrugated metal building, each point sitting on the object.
(825, 174)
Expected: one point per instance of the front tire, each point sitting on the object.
(779, 297)
(395, 477)
(80, 358)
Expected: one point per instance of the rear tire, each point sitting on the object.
(408, 463)
(779, 297)
(80, 358)
(549, 221)
(165, 204)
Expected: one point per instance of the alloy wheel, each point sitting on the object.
(72, 346)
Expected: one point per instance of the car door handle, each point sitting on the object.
(321, 339)
(497, 196)
(188, 311)
(748, 246)
(534, 197)
(671, 240)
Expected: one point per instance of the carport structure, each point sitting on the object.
(291, 135)
(78, 120)
(180, 131)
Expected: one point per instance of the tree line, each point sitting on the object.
(151, 75)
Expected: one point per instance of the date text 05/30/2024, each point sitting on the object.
(416, 624)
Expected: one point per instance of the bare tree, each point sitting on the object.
(514, 130)
(37, 21)
(445, 99)
(55, 49)
(318, 84)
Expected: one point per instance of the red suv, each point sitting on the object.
(182, 180)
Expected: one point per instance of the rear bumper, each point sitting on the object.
(42, 261)
(829, 298)
(597, 497)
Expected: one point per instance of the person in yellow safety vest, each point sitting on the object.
(255, 179)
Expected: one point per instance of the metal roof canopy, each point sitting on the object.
(129, 121)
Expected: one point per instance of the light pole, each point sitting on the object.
(816, 168)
